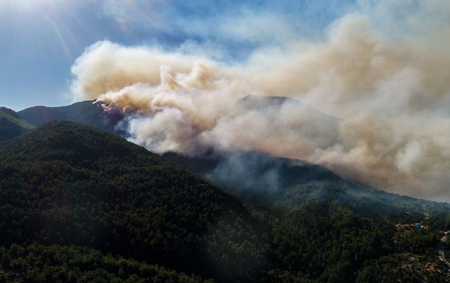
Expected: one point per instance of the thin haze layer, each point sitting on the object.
(382, 72)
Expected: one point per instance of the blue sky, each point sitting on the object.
(41, 39)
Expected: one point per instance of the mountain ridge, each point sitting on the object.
(87, 112)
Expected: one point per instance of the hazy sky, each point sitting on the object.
(41, 39)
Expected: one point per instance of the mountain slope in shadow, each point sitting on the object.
(11, 124)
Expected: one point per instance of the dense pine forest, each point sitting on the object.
(79, 204)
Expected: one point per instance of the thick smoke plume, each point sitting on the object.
(386, 95)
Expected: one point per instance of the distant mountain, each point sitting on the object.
(86, 112)
(71, 185)
(11, 124)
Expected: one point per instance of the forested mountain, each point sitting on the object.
(324, 228)
(72, 186)
(79, 204)
(11, 124)
(86, 112)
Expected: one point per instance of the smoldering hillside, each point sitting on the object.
(368, 102)
(257, 171)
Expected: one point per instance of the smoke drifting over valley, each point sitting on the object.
(371, 101)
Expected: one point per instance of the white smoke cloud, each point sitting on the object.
(391, 94)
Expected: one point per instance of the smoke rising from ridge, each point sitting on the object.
(387, 97)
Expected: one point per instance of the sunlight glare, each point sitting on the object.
(29, 5)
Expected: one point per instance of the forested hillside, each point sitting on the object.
(78, 204)
(324, 228)
(11, 125)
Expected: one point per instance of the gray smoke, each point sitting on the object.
(387, 82)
